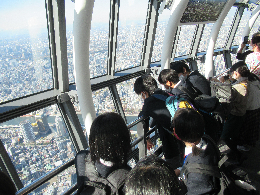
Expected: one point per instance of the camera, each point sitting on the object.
(245, 40)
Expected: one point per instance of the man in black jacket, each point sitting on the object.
(192, 79)
(146, 86)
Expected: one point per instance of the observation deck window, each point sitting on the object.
(225, 28)
(159, 36)
(24, 49)
(185, 39)
(243, 22)
(37, 143)
(131, 29)
(205, 37)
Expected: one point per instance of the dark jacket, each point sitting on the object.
(198, 82)
(242, 56)
(198, 183)
(156, 109)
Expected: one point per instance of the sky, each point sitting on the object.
(31, 15)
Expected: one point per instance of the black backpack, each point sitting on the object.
(90, 182)
(232, 178)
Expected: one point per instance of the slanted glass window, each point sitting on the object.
(185, 39)
(103, 101)
(25, 62)
(159, 36)
(225, 28)
(243, 22)
(132, 17)
(98, 46)
(69, 14)
(37, 143)
(60, 183)
(131, 102)
(255, 27)
(201, 67)
(205, 37)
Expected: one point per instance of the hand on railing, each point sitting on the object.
(150, 144)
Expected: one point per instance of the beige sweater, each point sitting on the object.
(239, 97)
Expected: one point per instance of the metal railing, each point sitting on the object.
(134, 155)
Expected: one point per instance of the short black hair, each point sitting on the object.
(145, 83)
(168, 75)
(178, 66)
(152, 175)
(241, 68)
(109, 139)
(256, 38)
(188, 124)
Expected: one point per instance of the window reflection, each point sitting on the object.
(24, 49)
(37, 143)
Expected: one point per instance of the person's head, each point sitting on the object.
(152, 175)
(188, 125)
(255, 42)
(7, 186)
(109, 139)
(145, 85)
(169, 78)
(180, 67)
(239, 70)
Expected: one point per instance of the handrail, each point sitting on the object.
(135, 122)
(37, 183)
(32, 186)
(71, 190)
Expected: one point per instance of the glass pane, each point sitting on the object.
(159, 36)
(98, 47)
(219, 64)
(131, 102)
(37, 143)
(255, 27)
(185, 39)
(24, 49)
(240, 30)
(103, 101)
(225, 28)
(130, 33)
(205, 37)
(201, 67)
(58, 184)
(234, 58)
(69, 14)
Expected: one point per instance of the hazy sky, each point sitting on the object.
(31, 14)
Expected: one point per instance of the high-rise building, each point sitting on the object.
(27, 131)
(61, 130)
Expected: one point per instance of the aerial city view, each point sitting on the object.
(38, 142)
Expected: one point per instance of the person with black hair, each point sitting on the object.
(188, 125)
(110, 146)
(249, 133)
(239, 94)
(152, 175)
(253, 59)
(169, 78)
(109, 142)
(192, 80)
(146, 86)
